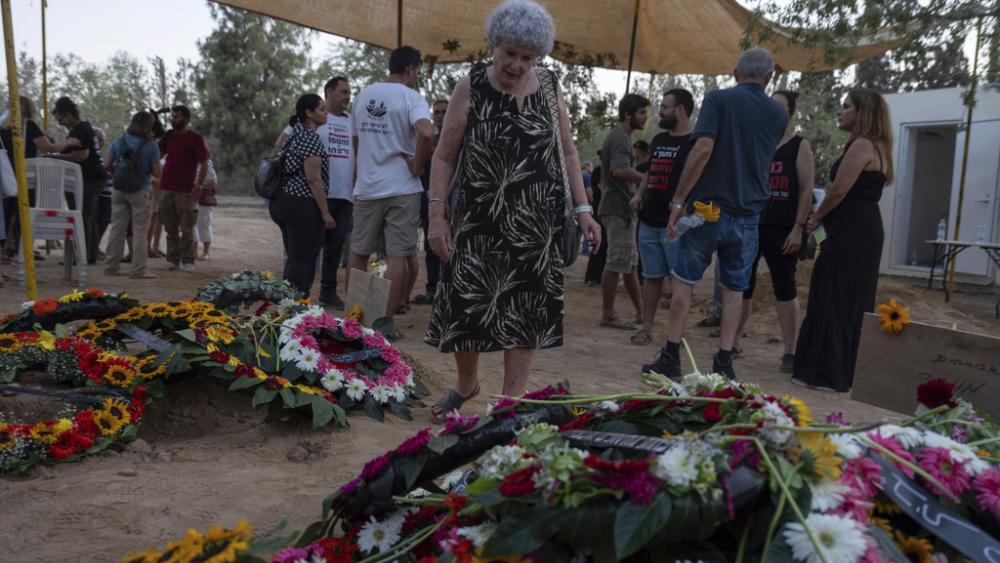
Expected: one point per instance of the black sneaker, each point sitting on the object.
(724, 369)
(788, 363)
(665, 364)
(334, 302)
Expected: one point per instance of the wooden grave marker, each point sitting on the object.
(369, 291)
(891, 366)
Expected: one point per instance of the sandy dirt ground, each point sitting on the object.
(204, 456)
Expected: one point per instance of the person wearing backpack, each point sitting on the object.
(131, 159)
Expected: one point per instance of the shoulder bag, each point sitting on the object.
(570, 243)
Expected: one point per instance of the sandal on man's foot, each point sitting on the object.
(641, 337)
(450, 402)
(614, 322)
(393, 336)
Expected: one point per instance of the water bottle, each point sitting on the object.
(913, 258)
(981, 234)
(942, 229)
(688, 222)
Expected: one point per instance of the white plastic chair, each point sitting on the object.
(51, 218)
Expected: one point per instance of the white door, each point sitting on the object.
(982, 188)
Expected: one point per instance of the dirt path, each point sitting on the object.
(205, 457)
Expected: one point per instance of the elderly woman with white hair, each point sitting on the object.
(506, 147)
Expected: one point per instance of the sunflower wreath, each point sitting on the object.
(217, 545)
(75, 361)
(246, 287)
(164, 318)
(110, 421)
(78, 305)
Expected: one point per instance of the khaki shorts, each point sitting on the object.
(622, 254)
(396, 217)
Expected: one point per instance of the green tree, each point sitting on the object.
(108, 94)
(253, 69)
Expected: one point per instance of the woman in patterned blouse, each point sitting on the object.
(300, 209)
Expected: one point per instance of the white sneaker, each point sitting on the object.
(187, 267)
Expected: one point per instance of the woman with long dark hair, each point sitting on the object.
(300, 209)
(845, 277)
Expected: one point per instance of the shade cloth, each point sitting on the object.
(672, 36)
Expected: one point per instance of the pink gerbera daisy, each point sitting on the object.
(987, 487)
(948, 471)
(864, 474)
(893, 446)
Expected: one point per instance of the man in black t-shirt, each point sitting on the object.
(652, 201)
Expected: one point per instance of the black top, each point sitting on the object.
(299, 146)
(784, 184)
(31, 132)
(91, 167)
(666, 160)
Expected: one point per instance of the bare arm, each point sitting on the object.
(804, 172)
(44, 145)
(75, 156)
(279, 143)
(314, 177)
(857, 157)
(636, 202)
(445, 161)
(627, 174)
(108, 161)
(695, 165)
(425, 144)
(590, 229)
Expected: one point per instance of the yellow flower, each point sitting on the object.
(9, 343)
(883, 506)
(356, 313)
(263, 352)
(76, 295)
(149, 369)
(119, 376)
(63, 425)
(893, 316)
(984, 453)
(667, 435)
(578, 411)
(6, 437)
(259, 373)
(478, 558)
(916, 549)
(306, 389)
(44, 432)
(133, 314)
(211, 348)
(882, 523)
(802, 411)
(234, 362)
(217, 333)
(117, 410)
(148, 556)
(107, 423)
(267, 274)
(47, 340)
(818, 455)
(158, 310)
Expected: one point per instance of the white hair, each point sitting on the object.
(755, 63)
(524, 23)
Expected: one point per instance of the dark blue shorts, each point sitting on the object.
(733, 238)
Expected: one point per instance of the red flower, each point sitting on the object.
(578, 422)
(27, 336)
(219, 357)
(95, 293)
(135, 410)
(519, 483)
(546, 393)
(633, 404)
(200, 334)
(44, 306)
(59, 451)
(630, 475)
(139, 393)
(337, 550)
(935, 393)
(504, 408)
(243, 370)
(275, 383)
(415, 520)
(84, 421)
(713, 412)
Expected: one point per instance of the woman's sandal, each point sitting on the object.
(450, 402)
(614, 322)
(641, 337)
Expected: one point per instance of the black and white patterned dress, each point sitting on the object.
(503, 287)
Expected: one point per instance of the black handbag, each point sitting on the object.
(269, 176)
(570, 243)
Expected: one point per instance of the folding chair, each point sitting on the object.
(51, 218)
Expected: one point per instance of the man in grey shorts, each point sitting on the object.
(392, 137)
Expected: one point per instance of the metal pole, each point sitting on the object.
(631, 49)
(965, 153)
(17, 133)
(399, 23)
(45, 74)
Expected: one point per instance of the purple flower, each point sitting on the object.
(958, 433)
(743, 451)
(546, 393)
(457, 422)
(504, 404)
(836, 418)
(291, 555)
(350, 487)
(375, 466)
(414, 444)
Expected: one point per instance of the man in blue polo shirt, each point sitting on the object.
(732, 145)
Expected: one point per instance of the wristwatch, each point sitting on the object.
(676, 206)
(585, 208)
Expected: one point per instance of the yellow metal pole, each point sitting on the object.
(45, 74)
(18, 147)
(971, 103)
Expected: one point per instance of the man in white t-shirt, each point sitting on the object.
(336, 136)
(393, 138)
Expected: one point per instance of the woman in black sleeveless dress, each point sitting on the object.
(781, 228)
(501, 284)
(845, 277)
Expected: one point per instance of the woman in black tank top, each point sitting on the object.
(845, 277)
(780, 232)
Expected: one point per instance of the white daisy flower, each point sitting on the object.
(838, 537)
(379, 536)
(333, 380)
(909, 438)
(286, 305)
(356, 390)
(696, 382)
(478, 535)
(961, 452)
(827, 495)
(382, 394)
(677, 466)
(848, 446)
(609, 406)
(398, 394)
(308, 360)
(501, 460)
(773, 414)
(290, 352)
